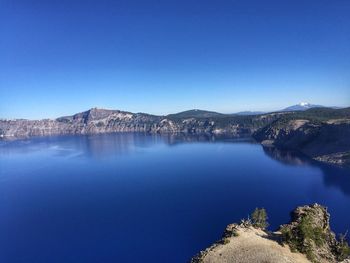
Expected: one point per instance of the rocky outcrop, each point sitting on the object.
(309, 233)
(247, 244)
(307, 238)
(327, 141)
(338, 158)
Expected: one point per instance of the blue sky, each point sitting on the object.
(62, 57)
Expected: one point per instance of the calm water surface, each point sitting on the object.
(142, 198)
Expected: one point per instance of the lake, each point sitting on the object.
(148, 198)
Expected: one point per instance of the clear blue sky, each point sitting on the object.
(58, 57)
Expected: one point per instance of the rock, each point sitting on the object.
(338, 158)
(327, 141)
(245, 244)
(307, 238)
(309, 233)
(95, 121)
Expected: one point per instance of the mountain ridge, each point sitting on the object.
(320, 133)
(191, 113)
(302, 106)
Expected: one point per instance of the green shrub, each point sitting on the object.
(225, 240)
(309, 232)
(235, 233)
(343, 249)
(287, 236)
(303, 236)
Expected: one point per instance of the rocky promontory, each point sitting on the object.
(306, 238)
(323, 136)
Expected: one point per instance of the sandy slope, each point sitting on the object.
(250, 246)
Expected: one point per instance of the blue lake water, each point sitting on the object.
(143, 198)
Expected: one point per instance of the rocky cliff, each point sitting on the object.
(326, 140)
(309, 233)
(307, 238)
(96, 121)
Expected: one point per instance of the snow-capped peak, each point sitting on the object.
(301, 106)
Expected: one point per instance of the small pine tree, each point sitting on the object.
(259, 218)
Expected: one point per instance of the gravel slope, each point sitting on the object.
(250, 246)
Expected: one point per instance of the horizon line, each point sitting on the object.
(257, 112)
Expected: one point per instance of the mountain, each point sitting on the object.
(195, 113)
(320, 133)
(302, 106)
(249, 113)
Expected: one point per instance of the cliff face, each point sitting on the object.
(96, 121)
(327, 141)
(307, 238)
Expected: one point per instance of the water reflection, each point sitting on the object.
(90, 145)
(286, 157)
(106, 145)
(337, 177)
(99, 146)
(180, 138)
(333, 176)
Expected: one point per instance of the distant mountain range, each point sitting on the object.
(196, 114)
(302, 106)
(249, 112)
